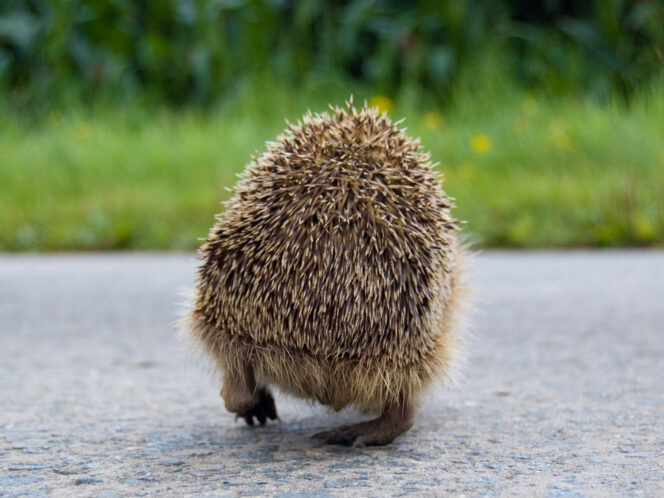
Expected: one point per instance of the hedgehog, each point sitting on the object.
(335, 275)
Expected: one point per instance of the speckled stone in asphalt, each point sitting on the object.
(562, 394)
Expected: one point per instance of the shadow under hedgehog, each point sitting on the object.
(335, 274)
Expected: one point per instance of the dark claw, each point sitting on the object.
(261, 418)
(266, 403)
(263, 410)
(340, 439)
(321, 436)
(336, 437)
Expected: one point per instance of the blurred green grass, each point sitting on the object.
(526, 172)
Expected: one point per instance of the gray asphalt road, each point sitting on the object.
(562, 394)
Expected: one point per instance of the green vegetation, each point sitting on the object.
(526, 171)
(195, 51)
(122, 122)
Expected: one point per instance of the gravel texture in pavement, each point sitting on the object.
(562, 393)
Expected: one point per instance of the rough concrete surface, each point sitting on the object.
(563, 392)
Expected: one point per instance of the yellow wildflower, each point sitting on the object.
(432, 120)
(384, 104)
(481, 144)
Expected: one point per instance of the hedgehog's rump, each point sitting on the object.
(367, 382)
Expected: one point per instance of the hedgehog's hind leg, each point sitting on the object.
(396, 419)
(245, 398)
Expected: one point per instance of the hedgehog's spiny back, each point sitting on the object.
(337, 242)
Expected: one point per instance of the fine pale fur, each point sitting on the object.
(335, 270)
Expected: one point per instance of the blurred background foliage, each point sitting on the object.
(198, 51)
(123, 121)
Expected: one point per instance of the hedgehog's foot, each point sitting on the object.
(244, 398)
(394, 421)
(262, 409)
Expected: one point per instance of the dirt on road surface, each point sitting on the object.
(562, 392)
